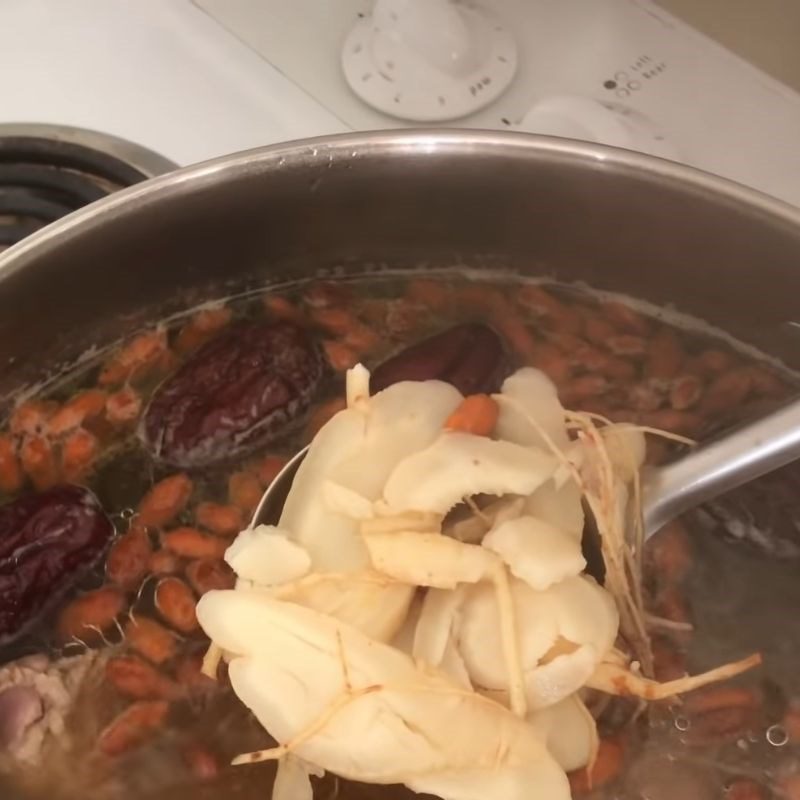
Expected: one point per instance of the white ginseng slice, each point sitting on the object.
(345, 501)
(458, 465)
(586, 613)
(332, 540)
(293, 779)
(508, 783)
(478, 635)
(377, 609)
(561, 507)
(569, 731)
(552, 682)
(626, 447)
(435, 623)
(535, 551)
(356, 707)
(267, 556)
(429, 559)
(532, 395)
(402, 420)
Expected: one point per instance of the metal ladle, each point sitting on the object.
(706, 472)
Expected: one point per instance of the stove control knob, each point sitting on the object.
(574, 117)
(429, 60)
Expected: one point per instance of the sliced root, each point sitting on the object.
(510, 640)
(605, 767)
(654, 621)
(258, 756)
(357, 388)
(289, 589)
(434, 560)
(407, 522)
(342, 700)
(211, 661)
(631, 426)
(621, 574)
(620, 557)
(617, 680)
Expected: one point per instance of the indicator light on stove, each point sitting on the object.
(429, 60)
(575, 117)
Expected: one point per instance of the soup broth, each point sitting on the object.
(121, 649)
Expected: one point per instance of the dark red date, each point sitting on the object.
(47, 541)
(235, 394)
(471, 357)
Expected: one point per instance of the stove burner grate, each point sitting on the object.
(43, 179)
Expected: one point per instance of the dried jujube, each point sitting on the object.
(47, 541)
(235, 394)
(470, 357)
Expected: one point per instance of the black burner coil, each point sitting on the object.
(42, 180)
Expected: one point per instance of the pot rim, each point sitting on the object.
(416, 141)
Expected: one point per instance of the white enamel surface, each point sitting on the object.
(713, 109)
(162, 74)
(429, 60)
(191, 85)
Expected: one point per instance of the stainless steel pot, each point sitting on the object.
(611, 218)
(577, 212)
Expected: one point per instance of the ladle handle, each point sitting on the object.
(720, 465)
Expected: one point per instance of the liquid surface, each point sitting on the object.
(722, 582)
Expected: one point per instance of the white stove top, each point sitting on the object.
(158, 72)
(196, 81)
